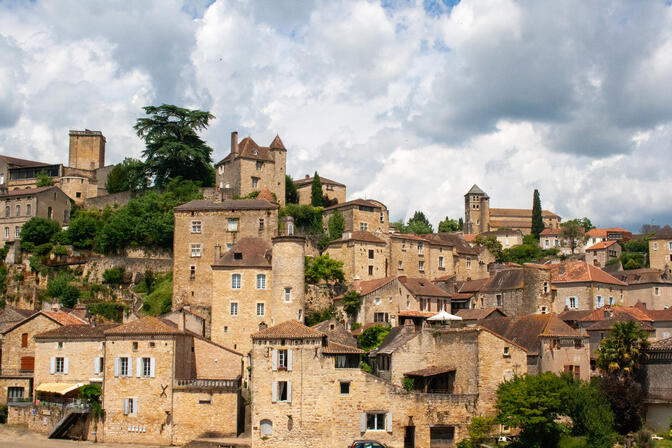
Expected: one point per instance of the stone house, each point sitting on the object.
(551, 238)
(601, 253)
(250, 167)
(518, 290)
(612, 234)
(660, 249)
(299, 378)
(581, 286)
(334, 191)
(417, 256)
(256, 285)
(658, 373)
(11, 315)
(19, 205)
(360, 214)
(470, 317)
(507, 238)
(551, 344)
(470, 263)
(17, 364)
(201, 229)
(164, 386)
(652, 287)
(363, 254)
(465, 296)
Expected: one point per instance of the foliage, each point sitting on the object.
(131, 174)
(307, 219)
(479, 431)
(591, 413)
(632, 260)
(172, 146)
(83, 229)
(586, 224)
(526, 253)
(60, 250)
(574, 231)
(3, 413)
(365, 367)
(537, 219)
(372, 337)
(573, 442)
(4, 251)
(92, 393)
(626, 398)
(622, 352)
(291, 194)
(532, 403)
(490, 242)
(109, 310)
(114, 276)
(160, 300)
(419, 224)
(449, 225)
(336, 225)
(316, 317)
(60, 288)
(355, 326)
(4, 272)
(44, 180)
(643, 438)
(408, 384)
(324, 268)
(351, 302)
(39, 231)
(460, 223)
(399, 226)
(316, 199)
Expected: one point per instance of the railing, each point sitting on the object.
(208, 384)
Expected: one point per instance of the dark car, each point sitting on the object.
(366, 444)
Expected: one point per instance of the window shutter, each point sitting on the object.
(52, 366)
(597, 302)
(289, 391)
(577, 372)
(388, 422)
(289, 360)
(135, 406)
(274, 359)
(66, 365)
(274, 392)
(152, 367)
(567, 302)
(96, 369)
(566, 369)
(116, 366)
(362, 422)
(125, 405)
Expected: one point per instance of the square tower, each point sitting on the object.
(476, 211)
(87, 149)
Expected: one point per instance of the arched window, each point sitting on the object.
(266, 428)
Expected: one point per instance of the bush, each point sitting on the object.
(320, 316)
(408, 383)
(60, 288)
(39, 230)
(365, 367)
(108, 310)
(3, 413)
(60, 250)
(161, 299)
(43, 249)
(324, 268)
(372, 337)
(351, 302)
(83, 229)
(307, 219)
(4, 272)
(114, 276)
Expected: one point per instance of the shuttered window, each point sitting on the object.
(28, 363)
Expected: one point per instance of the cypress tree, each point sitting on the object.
(537, 220)
(316, 191)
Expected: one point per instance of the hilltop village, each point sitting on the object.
(266, 338)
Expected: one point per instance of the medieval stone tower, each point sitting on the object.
(476, 211)
(288, 268)
(87, 150)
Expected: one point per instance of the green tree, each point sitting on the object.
(91, 393)
(172, 145)
(449, 225)
(83, 229)
(324, 268)
(60, 288)
(533, 403)
(460, 224)
(44, 179)
(622, 352)
(479, 430)
(336, 225)
(537, 219)
(591, 413)
(372, 337)
(291, 194)
(419, 224)
(494, 246)
(574, 231)
(586, 223)
(627, 399)
(114, 276)
(307, 219)
(131, 174)
(39, 231)
(351, 302)
(399, 226)
(316, 198)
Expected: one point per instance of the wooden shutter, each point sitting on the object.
(566, 370)
(66, 365)
(274, 359)
(138, 367)
(52, 365)
(24, 340)
(125, 405)
(28, 363)
(289, 360)
(289, 391)
(388, 422)
(577, 372)
(567, 302)
(135, 406)
(362, 422)
(116, 366)
(152, 367)
(274, 391)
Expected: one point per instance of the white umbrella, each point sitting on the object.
(443, 315)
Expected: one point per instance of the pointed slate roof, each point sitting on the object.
(475, 189)
(290, 329)
(277, 143)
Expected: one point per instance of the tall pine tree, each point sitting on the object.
(537, 220)
(316, 191)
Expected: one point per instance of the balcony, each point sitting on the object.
(206, 384)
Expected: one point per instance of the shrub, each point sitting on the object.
(60, 288)
(365, 367)
(39, 230)
(351, 302)
(324, 268)
(408, 383)
(320, 316)
(114, 276)
(108, 310)
(161, 299)
(60, 250)
(83, 229)
(372, 337)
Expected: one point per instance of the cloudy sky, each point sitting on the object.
(408, 102)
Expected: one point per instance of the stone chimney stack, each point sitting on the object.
(218, 252)
(234, 143)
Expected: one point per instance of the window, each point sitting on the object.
(282, 359)
(24, 340)
(261, 224)
(375, 421)
(235, 281)
(421, 266)
(346, 362)
(572, 303)
(400, 267)
(192, 272)
(130, 406)
(123, 367)
(363, 226)
(670, 245)
(655, 246)
(599, 301)
(6, 233)
(28, 363)
(232, 225)
(260, 309)
(441, 435)
(656, 291)
(345, 387)
(28, 210)
(17, 231)
(135, 346)
(546, 288)
(60, 365)
(440, 262)
(195, 226)
(382, 217)
(468, 262)
(383, 362)
(611, 301)
(18, 210)
(381, 317)
(266, 428)
(370, 270)
(260, 166)
(288, 294)
(403, 246)
(261, 281)
(371, 254)
(14, 393)
(547, 243)
(60, 345)
(282, 391)
(7, 212)
(420, 248)
(147, 367)
(499, 299)
(234, 308)
(195, 250)
(506, 352)
(255, 182)
(50, 213)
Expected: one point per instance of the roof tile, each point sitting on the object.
(290, 329)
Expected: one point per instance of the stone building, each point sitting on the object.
(658, 373)
(582, 286)
(250, 167)
(17, 364)
(470, 317)
(612, 234)
(309, 390)
(165, 386)
(518, 290)
(204, 227)
(660, 249)
(256, 285)
(601, 253)
(360, 214)
(479, 217)
(553, 239)
(551, 344)
(19, 205)
(651, 287)
(470, 263)
(332, 190)
(363, 254)
(507, 238)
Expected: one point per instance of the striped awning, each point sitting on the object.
(59, 388)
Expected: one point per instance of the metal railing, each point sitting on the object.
(195, 383)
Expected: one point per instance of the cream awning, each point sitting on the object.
(59, 388)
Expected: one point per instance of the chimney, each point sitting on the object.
(307, 176)
(234, 142)
(356, 283)
(180, 320)
(218, 252)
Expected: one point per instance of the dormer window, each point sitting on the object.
(237, 255)
(255, 152)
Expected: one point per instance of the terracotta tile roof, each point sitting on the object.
(663, 234)
(10, 316)
(643, 276)
(277, 143)
(229, 204)
(603, 233)
(145, 325)
(606, 311)
(359, 235)
(444, 278)
(26, 191)
(431, 371)
(14, 162)
(573, 315)
(659, 315)
(354, 202)
(336, 332)
(463, 295)
(247, 252)
(607, 324)
(248, 149)
(308, 180)
(290, 329)
(518, 213)
(410, 236)
(334, 348)
(454, 239)
(470, 237)
(422, 287)
(580, 271)
(397, 337)
(518, 223)
(266, 195)
(368, 286)
(473, 314)
(661, 345)
(76, 332)
(414, 313)
(505, 279)
(601, 245)
(64, 318)
(472, 285)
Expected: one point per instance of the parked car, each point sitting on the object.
(366, 444)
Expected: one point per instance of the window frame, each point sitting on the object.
(377, 424)
(195, 250)
(196, 226)
(59, 365)
(261, 281)
(124, 366)
(260, 306)
(236, 281)
(233, 308)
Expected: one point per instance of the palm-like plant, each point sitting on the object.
(623, 351)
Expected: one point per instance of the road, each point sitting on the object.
(22, 438)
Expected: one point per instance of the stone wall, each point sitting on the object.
(361, 259)
(558, 353)
(95, 267)
(42, 419)
(537, 293)
(12, 351)
(646, 293)
(319, 297)
(80, 354)
(330, 191)
(660, 253)
(204, 413)
(109, 200)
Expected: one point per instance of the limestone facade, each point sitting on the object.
(364, 255)
(601, 253)
(361, 214)
(334, 191)
(69, 360)
(660, 249)
(18, 206)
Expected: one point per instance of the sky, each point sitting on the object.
(407, 102)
